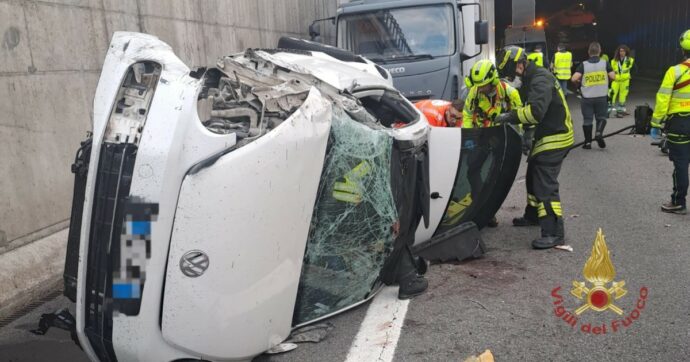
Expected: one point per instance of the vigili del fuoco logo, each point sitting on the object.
(600, 292)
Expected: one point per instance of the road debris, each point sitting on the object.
(310, 334)
(486, 356)
(282, 348)
(564, 248)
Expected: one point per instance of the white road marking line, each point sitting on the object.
(379, 333)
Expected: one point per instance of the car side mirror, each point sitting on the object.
(481, 32)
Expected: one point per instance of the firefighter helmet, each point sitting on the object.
(507, 60)
(685, 40)
(482, 73)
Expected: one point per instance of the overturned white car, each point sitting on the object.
(219, 208)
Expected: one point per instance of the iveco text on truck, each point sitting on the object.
(427, 46)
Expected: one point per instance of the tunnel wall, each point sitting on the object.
(650, 28)
(51, 52)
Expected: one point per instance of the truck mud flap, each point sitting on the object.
(80, 169)
(460, 243)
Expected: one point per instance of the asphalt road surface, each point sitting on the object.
(503, 302)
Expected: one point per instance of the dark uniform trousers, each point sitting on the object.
(594, 108)
(679, 153)
(543, 198)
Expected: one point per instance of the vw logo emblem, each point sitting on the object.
(194, 263)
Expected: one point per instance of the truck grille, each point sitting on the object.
(113, 181)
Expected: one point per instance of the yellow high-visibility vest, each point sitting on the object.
(673, 96)
(536, 58)
(673, 99)
(562, 61)
(622, 68)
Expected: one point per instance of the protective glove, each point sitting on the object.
(469, 144)
(655, 133)
(508, 117)
(526, 147)
(527, 140)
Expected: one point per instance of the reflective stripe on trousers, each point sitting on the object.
(542, 187)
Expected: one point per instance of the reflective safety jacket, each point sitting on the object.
(673, 100)
(480, 111)
(622, 68)
(562, 62)
(435, 111)
(545, 107)
(536, 58)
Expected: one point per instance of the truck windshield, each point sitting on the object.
(399, 34)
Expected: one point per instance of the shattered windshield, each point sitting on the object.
(399, 34)
(351, 231)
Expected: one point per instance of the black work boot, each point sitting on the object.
(600, 134)
(492, 223)
(588, 137)
(525, 221)
(411, 283)
(529, 217)
(672, 208)
(412, 286)
(547, 242)
(552, 233)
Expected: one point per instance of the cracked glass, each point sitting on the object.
(351, 233)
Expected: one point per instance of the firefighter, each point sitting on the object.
(672, 111)
(622, 63)
(537, 56)
(545, 107)
(562, 63)
(594, 75)
(487, 98)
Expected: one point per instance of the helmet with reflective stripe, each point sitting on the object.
(507, 60)
(685, 40)
(482, 73)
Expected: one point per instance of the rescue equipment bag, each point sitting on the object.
(643, 119)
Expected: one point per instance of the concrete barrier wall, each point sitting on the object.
(50, 57)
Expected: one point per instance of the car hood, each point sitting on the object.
(337, 73)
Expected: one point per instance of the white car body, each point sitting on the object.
(249, 210)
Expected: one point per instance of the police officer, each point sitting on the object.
(562, 62)
(594, 75)
(673, 112)
(622, 64)
(545, 107)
